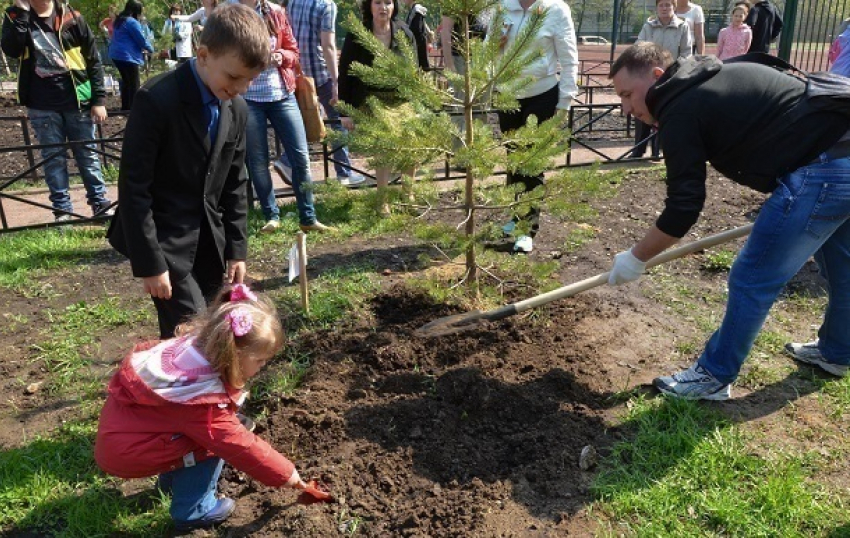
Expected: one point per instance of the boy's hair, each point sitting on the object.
(216, 338)
(641, 58)
(236, 28)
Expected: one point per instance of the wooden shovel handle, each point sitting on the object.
(598, 280)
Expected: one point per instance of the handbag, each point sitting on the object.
(308, 102)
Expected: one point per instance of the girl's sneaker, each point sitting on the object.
(219, 514)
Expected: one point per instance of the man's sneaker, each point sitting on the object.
(810, 354)
(270, 226)
(64, 217)
(352, 180)
(285, 172)
(219, 514)
(102, 209)
(524, 244)
(695, 383)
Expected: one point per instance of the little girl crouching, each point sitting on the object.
(171, 409)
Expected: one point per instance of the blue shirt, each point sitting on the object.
(128, 42)
(268, 87)
(309, 18)
(842, 62)
(212, 105)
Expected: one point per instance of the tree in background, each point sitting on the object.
(419, 131)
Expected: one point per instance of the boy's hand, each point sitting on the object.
(158, 286)
(236, 271)
(347, 123)
(98, 114)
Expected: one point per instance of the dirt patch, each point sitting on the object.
(477, 434)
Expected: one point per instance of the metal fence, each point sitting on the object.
(810, 28)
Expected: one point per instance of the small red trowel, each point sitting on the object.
(315, 492)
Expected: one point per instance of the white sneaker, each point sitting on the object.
(285, 172)
(270, 226)
(350, 181)
(524, 244)
(695, 383)
(810, 354)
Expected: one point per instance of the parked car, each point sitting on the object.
(592, 40)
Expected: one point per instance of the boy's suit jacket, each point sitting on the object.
(170, 184)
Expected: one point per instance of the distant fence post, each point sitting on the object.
(789, 20)
(615, 28)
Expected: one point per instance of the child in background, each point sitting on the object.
(172, 409)
(735, 39)
(839, 52)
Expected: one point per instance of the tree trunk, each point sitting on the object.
(469, 200)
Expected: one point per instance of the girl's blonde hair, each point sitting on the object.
(221, 338)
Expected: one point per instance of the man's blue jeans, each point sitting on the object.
(342, 164)
(56, 128)
(286, 121)
(807, 215)
(193, 488)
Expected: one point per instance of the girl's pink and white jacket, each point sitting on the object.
(734, 41)
(166, 406)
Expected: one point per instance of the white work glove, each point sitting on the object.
(626, 268)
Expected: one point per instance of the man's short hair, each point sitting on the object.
(237, 28)
(641, 58)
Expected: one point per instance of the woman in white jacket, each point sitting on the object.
(671, 34)
(554, 75)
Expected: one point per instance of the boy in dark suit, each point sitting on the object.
(182, 219)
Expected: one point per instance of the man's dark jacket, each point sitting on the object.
(170, 185)
(78, 49)
(766, 23)
(750, 121)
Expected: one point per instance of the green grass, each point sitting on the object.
(719, 261)
(26, 256)
(334, 296)
(52, 487)
(685, 471)
(72, 340)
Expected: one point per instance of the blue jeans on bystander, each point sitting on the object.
(342, 163)
(56, 128)
(192, 488)
(286, 121)
(807, 215)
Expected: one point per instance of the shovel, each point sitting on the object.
(462, 322)
(313, 492)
